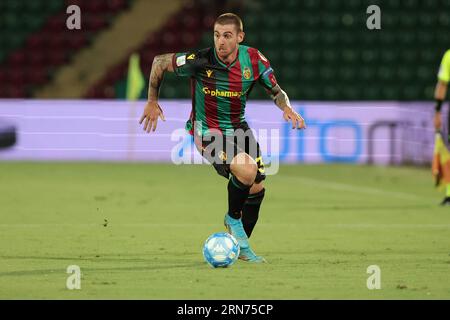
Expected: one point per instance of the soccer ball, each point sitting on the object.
(221, 250)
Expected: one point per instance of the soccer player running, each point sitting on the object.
(221, 79)
(442, 170)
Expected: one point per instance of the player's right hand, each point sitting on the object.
(151, 113)
(437, 121)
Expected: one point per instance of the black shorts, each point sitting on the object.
(221, 153)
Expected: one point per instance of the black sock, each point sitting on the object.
(237, 195)
(250, 212)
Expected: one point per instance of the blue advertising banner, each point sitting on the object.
(99, 130)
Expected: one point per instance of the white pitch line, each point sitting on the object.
(360, 189)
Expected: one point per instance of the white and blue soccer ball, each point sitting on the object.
(221, 250)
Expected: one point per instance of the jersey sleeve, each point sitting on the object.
(267, 77)
(444, 70)
(185, 64)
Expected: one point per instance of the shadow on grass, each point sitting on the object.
(159, 261)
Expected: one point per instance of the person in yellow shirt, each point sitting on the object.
(441, 157)
(441, 89)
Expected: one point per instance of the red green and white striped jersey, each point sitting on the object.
(220, 91)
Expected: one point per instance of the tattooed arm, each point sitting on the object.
(281, 100)
(161, 64)
(152, 111)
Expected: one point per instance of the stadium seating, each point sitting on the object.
(182, 31)
(333, 56)
(322, 50)
(36, 41)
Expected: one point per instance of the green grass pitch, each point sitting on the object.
(320, 227)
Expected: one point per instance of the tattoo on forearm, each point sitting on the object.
(281, 99)
(159, 66)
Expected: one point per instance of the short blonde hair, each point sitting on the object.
(230, 18)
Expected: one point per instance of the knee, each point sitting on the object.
(246, 174)
(245, 171)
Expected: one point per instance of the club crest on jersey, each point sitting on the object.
(191, 57)
(209, 73)
(247, 73)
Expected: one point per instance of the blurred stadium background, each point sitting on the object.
(367, 97)
(321, 49)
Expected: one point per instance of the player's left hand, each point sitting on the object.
(297, 121)
(152, 112)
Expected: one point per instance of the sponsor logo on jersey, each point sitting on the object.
(191, 56)
(220, 93)
(247, 73)
(181, 60)
(209, 73)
